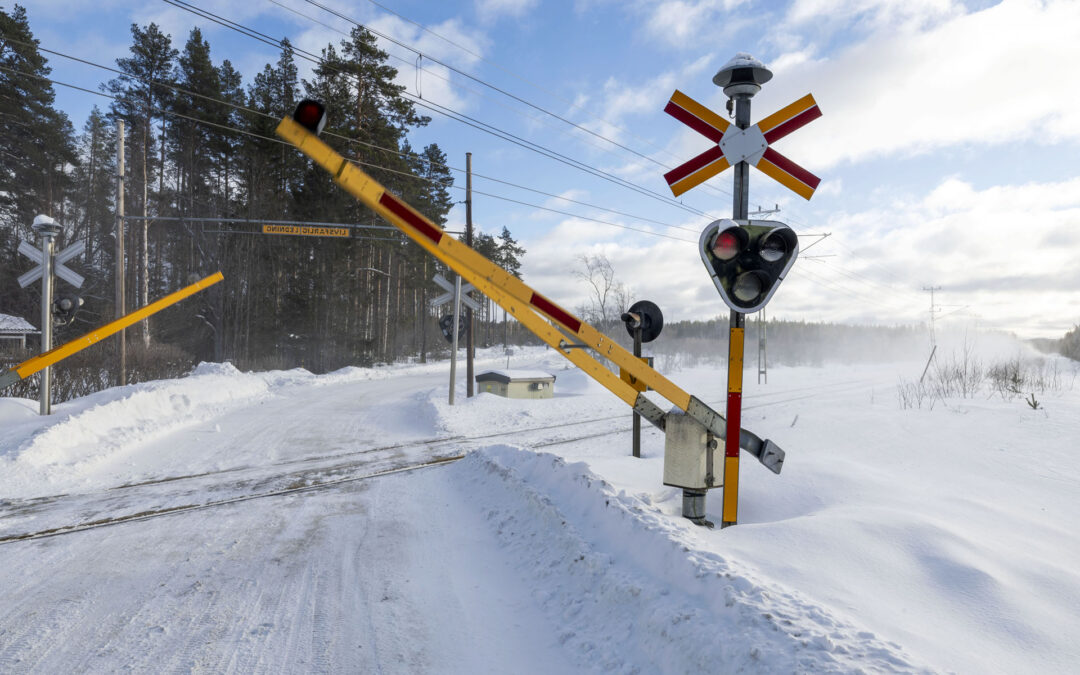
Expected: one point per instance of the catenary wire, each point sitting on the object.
(530, 83)
(512, 74)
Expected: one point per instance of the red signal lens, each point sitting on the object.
(726, 245)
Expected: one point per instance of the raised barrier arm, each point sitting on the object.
(521, 301)
(42, 361)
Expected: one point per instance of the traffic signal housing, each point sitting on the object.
(446, 326)
(65, 307)
(747, 259)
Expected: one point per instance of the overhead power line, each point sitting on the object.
(843, 288)
(493, 87)
(446, 111)
(527, 81)
(354, 141)
(354, 161)
(482, 82)
(418, 67)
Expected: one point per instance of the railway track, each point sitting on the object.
(55, 515)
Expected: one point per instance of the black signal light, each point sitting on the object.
(747, 260)
(311, 115)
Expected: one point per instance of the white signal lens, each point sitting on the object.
(747, 287)
(773, 248)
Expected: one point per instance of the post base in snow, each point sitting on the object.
(693, 507)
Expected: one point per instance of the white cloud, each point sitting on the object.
(1006, 253)
(452, 32)
(1001, 76)
(574, 194)
(685, 23)
(607, 109)
(421, 76)
(872, 14)
(492, 10)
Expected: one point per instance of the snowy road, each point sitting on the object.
(362, 578)
(234, 526)
(341, 579)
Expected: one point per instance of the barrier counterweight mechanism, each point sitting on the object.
(554, 325)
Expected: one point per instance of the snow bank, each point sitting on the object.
(60, 452)
(630, 592)
(98, 427)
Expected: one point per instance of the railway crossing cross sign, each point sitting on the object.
(68, 275)
(733, 145)
(448, 296)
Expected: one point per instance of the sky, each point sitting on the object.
(948, 149)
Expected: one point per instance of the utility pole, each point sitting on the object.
(469, 346)
(933, 311)
(453, 339)
(120, 304)
(762, 346)
(762, 349)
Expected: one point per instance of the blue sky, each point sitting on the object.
(949, 149)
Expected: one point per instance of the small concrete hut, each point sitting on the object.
(517, 383)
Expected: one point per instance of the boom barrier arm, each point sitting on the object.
(522, 302)
(42, 361)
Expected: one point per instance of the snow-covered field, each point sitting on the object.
(273, 522)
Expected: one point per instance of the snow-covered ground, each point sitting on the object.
(276, 522)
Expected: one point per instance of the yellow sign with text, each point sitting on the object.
(306, 230)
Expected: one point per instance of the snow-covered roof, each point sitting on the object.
(507, 376)
(16, 325)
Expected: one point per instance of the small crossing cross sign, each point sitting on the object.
(734, 145)
(448, 296)
(70, 276)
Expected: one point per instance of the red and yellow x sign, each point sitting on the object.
(734, 145)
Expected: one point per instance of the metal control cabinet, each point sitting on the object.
(689, 462)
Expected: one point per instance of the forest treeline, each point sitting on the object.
(200, 144)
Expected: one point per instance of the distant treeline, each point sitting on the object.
(787, 343)
(1069, 345)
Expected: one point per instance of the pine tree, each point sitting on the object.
(38, 139)
(36, 150)
(510, 253)
(94, 192)
(271, 171)
(140, 98)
